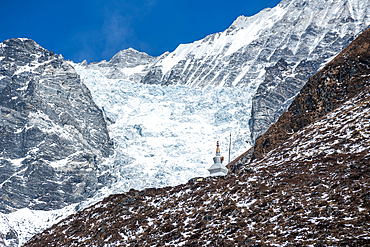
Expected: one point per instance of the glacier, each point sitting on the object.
(166, 135)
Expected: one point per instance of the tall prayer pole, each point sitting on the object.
(229, 148)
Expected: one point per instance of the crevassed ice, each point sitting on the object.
(166, 135)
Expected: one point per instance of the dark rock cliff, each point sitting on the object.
(277, 91)
(52, 135)
(284, 80)
(344, 77)
(341, 79)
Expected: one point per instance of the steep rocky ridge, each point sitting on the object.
(310, 187)
(295, 30)
(320, 29)
(341, 79)
(53, 138)
(272, 54)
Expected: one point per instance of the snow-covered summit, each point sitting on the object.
(299, 27)
(272, 53)
(128, 64)
(131, 58)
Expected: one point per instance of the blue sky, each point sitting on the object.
(97, 29)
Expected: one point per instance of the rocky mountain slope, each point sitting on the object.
(53, 138)
(127, 64)
(309, 188)
(272, 54)
(341, 79)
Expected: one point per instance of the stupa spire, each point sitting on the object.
(218, 169)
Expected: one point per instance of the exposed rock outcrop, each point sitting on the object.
(52, 135)
(341, 79)
(127, 64)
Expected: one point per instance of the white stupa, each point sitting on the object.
(218, 169)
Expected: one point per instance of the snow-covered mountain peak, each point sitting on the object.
(260, 20)
(239, 22)
(131, 58)
(295, 30)
(23, 45)
(128, 64)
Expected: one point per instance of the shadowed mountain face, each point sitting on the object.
(52, 135)
(309, 184)
(343, 78)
